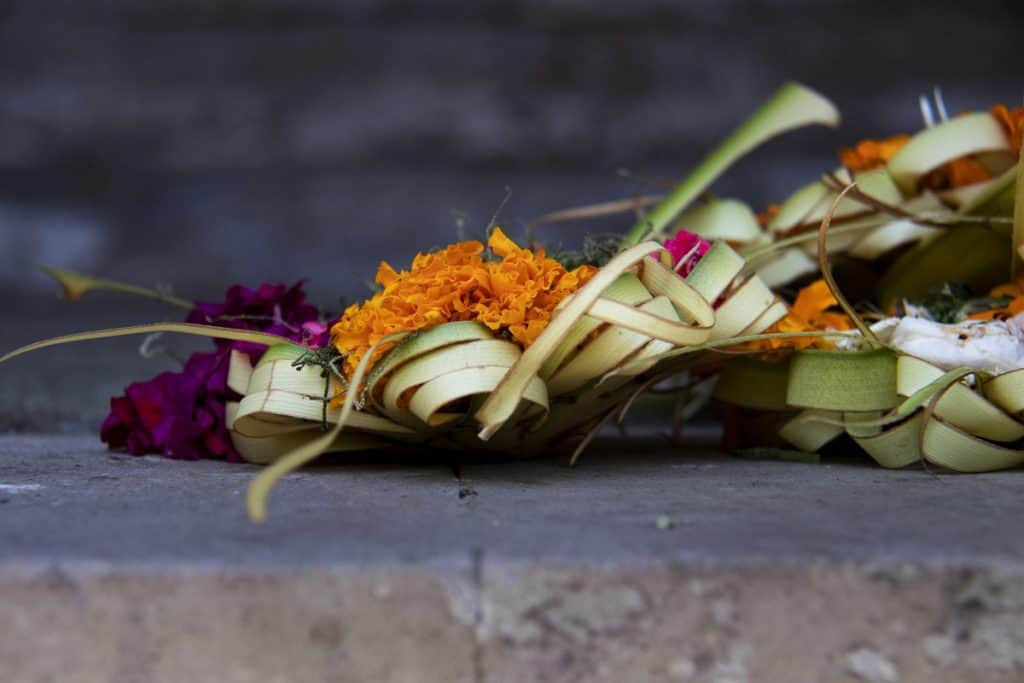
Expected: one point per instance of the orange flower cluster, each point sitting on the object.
(871, 154)
(809, 313)
(966, 170)
(515, 295)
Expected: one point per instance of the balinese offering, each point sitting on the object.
(922, 232)
(500, 346)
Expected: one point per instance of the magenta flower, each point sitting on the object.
(177, 414)
(181, 414)
(277, 309)
(688, 248)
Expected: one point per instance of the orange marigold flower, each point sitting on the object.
(515, 294)
(871, 154)
(1013, 121)
(809, 313)
(1013, 289)
(768, 215)
(956, 173)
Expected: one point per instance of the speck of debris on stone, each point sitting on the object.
(723, 612)
(682, 668)
(939, 649)
(466, 492)
(664, 522)
(19, 488)
(869, 665)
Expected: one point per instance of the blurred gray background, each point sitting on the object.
(202, 143)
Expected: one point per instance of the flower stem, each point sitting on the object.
(75, 285)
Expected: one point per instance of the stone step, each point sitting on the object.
(643, 563)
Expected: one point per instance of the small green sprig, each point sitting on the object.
(953, 303)
(597, 250)
(328, 359)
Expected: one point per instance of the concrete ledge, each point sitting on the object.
(823, 622)
(641, 565)
(85, 624)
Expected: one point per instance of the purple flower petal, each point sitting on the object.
(181, 414)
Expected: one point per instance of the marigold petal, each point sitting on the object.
(872, 154)
(385, 274)
(812, 300)
(500, 244)
(966, 171)
(1012, 121)
(1014, 289)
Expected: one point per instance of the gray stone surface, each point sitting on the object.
(143, 569)
(67, 389)
(77, 502)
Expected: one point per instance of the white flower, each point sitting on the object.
(995, 346)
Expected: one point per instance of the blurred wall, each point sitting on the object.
(200, 143)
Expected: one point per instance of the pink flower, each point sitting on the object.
(688, 248)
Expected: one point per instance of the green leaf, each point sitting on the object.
(923, 395)
(970, 254)
(932, 147)
(753, 383)
(792, 106)
(843, 380)
(209, 331)
(1018, 217)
